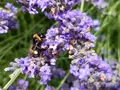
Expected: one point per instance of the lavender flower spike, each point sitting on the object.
(7, 18)
(32, 67)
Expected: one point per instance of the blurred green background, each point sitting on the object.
(15, 44)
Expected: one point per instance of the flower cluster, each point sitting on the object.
(32, 67)
(87, 60)
(7, 18)
(51, 5)
(96, 81)
(55, 6)
(99, 81)
(72, 26)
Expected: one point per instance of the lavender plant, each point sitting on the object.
(7, 18)
(72, 34)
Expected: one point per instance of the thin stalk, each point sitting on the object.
(63, 81)
(119, 41)
(38, 87)
(42, 88)
(12, 80)
(82, 5)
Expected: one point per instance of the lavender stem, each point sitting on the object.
(62, 82)
(12, 80)
(82, 5)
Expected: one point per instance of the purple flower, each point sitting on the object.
(45, 74)
(84, 72)
(96, 25)
(72, 27)
(76, 22)
(49, 88)
(12, 87)
(51, 33)
(21, 85)
(45, 4)
(11, 7)
(74, 70)
(86, 62)
(7, 18)
(32, 67)
(52, 5)
(100, 4)
(90, 37)
(57, 72)
(65, 87)
(55, 7)
(94, 59)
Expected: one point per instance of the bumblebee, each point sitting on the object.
(35, 47)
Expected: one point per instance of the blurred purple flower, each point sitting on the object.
(21, 85)
(49, 88)
(96, 25)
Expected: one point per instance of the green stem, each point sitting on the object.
(12, 80)
(82, 5)
(42, 88)
(63, 81)
(38, 86)
(119, 41)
